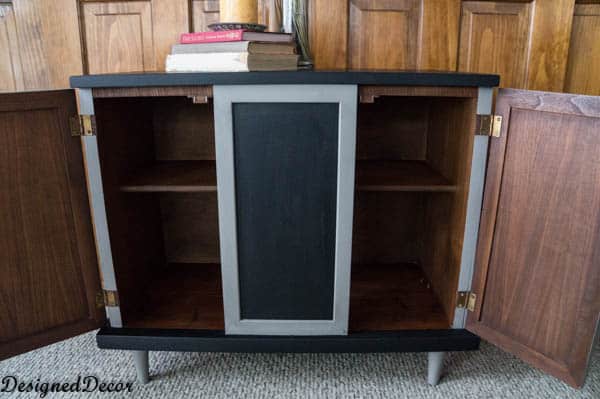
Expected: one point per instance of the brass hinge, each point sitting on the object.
(488, 125)
(83, 125)
(466, 300)
(107, 298)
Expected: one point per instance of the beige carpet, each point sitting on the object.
(488, 373)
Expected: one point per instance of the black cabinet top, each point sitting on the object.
(407, 78)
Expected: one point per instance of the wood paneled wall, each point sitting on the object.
(583, 66)
(40, 45)
(541, 45)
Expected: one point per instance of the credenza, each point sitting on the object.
(302, 212)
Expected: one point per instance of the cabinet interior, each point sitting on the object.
(412, 177)
(413, 161)
(158, 166)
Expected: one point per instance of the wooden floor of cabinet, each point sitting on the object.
(384, 297)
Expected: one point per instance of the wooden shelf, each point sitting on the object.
(375, 175)
(182, 296)
(389, 297)
(177, 176)
(200, 176)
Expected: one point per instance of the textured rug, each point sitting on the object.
(488, 373)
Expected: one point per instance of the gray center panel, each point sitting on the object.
(285, 175)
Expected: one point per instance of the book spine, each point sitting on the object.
(212, 37)
(222, 47)
(223, 62)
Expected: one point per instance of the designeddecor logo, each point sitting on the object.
(85, 384)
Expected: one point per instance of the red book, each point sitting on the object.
(234, 36)
(212, 37)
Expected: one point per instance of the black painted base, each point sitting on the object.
(217, 341)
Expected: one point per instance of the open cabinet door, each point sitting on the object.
(48, 268)
(537, 272)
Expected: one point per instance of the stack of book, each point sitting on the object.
(233, 51)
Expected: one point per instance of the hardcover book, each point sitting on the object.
(230, 62)
(235, 47)
(234, 36)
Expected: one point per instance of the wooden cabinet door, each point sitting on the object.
(525, 42)
(537, 273)
(48, 268)
(370, 21)
(131, 36)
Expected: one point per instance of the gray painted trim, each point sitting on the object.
(86, 102)
(113, 313)
(224, 96)
(95, 190)
(474, 205)
(485, 97)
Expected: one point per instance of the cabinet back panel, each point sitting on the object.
(190, 227)
(183, 130)
(393, 128)
(388, 227)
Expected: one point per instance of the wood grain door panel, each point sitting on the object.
(328, 25)
(11, 71)
(525, 42)
(439, 31)
(119, 37)
(495, 39)
(204, 13)
(538, 258)
(132, 36)
(39, 44)
(583, 66)
(384, 34)
(372, 45)
(48, 272)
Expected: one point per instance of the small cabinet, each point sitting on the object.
(310, 212)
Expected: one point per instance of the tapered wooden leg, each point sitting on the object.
(435, 364)
(140, 358)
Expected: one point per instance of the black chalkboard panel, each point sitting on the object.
(285, 186)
